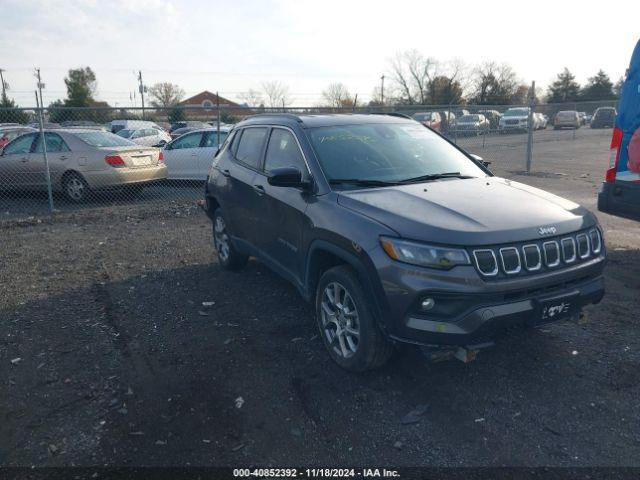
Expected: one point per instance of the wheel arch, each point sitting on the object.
(324, 255)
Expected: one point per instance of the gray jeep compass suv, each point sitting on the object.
(396, 234)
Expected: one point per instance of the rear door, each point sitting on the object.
(181, 157)
(244, 197)
(283, 208)
(14, 162)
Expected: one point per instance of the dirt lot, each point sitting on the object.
(108, 356)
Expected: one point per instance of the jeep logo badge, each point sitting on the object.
(547, 230)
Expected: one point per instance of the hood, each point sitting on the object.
(468, 212)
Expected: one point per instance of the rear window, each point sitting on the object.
(103, 139)
(567, 114)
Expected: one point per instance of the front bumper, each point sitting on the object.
(470, 310)
(487, 321)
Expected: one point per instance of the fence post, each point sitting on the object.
(44, 149)
(532, 97)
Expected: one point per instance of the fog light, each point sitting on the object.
(428, 304)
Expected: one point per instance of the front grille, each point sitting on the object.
(549, 254)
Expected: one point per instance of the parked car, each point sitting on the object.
(459, 112)
(429, 119)
(583, 118)
(514, 119)
(117, 125)
(587, 119)
(396, 235)
(567, 119)
(86, 124)
(190, 123)
(448, 119)
(189, 157)
(472, 124)
(541, 121)
(150, 137)
(493, 116)
(178, 132)
(80, 161)
(49, 125)
(604, 117)
(620, 192)
(8, 133)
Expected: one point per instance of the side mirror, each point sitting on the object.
(287, 177)
(480, 160)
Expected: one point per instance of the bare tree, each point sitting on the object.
(165, 95)
(253, 98)
(494, 84)
(337, 95)
(277, 94)
(413, 75)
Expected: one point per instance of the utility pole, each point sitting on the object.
(382, 90)
(141, 88)
(4, 86)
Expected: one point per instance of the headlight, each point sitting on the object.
(443, 258)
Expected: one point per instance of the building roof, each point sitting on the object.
(201, 97)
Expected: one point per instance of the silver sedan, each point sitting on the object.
(80, 161)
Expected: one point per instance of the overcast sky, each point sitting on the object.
(231, 46)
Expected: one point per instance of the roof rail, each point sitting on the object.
(276, 114)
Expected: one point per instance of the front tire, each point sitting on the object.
(228, 256)
(348, 329)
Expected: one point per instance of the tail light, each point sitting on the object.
(114, 160)
(161, 158)
(616, 143)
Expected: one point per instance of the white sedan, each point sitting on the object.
(149, 137)
(189, 156)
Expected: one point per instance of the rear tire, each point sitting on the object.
(348, 329)
(75, 187)
(228, 257)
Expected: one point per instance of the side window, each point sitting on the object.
(250, 146)
(283, 151)
(234, 142)
(190, 140)
(211, 138)
(20, 145)
(151, 132)
(55, 143)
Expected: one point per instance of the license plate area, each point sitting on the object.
(556, 308)
(141, 160)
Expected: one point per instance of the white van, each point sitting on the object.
(116, 125)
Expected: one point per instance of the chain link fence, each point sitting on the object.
(110, 157)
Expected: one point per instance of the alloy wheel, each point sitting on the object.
(340, 321)
(221, 239)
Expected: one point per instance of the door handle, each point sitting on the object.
(226, 173)
(259, 189)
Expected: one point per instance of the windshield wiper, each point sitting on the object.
(361, 182)
(434, 176)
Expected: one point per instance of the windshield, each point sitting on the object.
(387, 152)
(103, 139)
(516, 112)
(469, 118)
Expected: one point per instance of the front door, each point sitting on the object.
(181, 156)
(283, 208)
(14, 163)
(58, 155)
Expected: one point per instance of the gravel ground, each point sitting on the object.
(108, 356)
